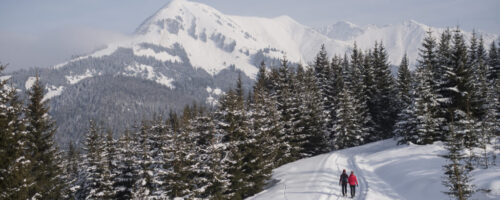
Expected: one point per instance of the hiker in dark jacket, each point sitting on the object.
(344, 179)
(353, 182)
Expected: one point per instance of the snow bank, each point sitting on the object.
(384, 171)
(29, 82)
(53, 91)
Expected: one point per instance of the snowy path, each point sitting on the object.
(316, 178)
(384, 171)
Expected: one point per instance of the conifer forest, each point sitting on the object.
(229, 151)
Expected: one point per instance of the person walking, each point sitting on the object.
(344, 179)
(353, 182)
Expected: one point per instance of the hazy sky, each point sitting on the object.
(36, 33)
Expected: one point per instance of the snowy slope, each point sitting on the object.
(214, 41)
(384, 171)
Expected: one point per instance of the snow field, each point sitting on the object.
(384, 171)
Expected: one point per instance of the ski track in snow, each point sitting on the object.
(385, 171)
(321, 181)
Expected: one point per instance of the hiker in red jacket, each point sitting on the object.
(353, 182)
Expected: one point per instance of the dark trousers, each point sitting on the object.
(353, 190)
(344, 189)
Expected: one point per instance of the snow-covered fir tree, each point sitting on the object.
(404, 84)
(15, 166)
(209, 181)
(179, 182)
(493, 62)
(310, 124)
(457, 177)
(42, 152)
(107, 165)
(71, 170)
(283, 83)
(358, 87)
(125, 167)
(406, 125)
(325, 84)
(91, 166)
(489, 127)
(382, 110)
(348, 130)
(477, 62)
(266, 129)
(233, 123)
(425, 105)
(150, 182)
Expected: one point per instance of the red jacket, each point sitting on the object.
(353, 180)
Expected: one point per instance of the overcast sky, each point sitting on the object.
(36, 33)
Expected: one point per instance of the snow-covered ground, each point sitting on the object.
(384, 170)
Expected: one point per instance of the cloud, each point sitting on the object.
(22, 51)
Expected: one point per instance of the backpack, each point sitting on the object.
(344, 178)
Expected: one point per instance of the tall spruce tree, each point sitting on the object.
(179, 182)
(427, 124)
(43, 153)
(284, 92)
(405, 127)
(459, 85)
(384, 112)
(325, 82)
(92, 168)
(15, 166)
(358, 89)
(404, 82)
(208, 180)
(348, 130)
(477, 62)
(457, 178)
(218, 180)
(310, 125)
(108, 166)
(125, 168)
(489, 127)
(265, 124)
(493, 62)
(72, 171)
(233, 124)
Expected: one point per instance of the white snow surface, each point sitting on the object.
(77, 78)
(384, 171)
(52, 91)
(3, 78)
(29, 82)
(162, 56)
(148, 72)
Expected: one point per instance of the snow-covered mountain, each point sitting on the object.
(186, 51)
(384, 170)
(214, 41)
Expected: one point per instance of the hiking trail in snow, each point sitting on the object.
(384, 171)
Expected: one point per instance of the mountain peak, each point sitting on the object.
(345, 24)
(174, 10)
(341, 30)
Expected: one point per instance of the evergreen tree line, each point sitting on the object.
(292, 112)
(229, 152)
(30, 163)
(453, 96)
